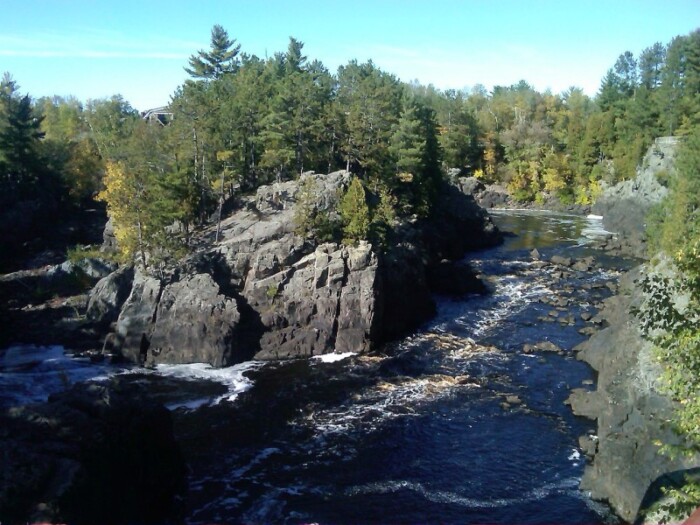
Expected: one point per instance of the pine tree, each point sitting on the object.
(355, 213)
(21, 170)
(220, 59)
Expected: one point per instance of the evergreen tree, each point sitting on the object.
(371, 102)
(21, 168)
(416, 151)
(626, 72)
(459, 136)
(651, 62)
(220, 59)
(355, 213)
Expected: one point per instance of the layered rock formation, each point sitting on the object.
(633, 414)
(625, 206)
(264, 291)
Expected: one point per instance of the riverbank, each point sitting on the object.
(463, 418)
(631, 410)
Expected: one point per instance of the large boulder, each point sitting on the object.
(97, 453)
(108, 296)
(194, 322)
(135, 321)
(323, 303)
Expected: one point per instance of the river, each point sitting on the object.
(453, 424)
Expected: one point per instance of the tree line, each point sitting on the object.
(241, 121)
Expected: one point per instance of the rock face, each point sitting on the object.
(97, 453)
(625, 206)
(108, 296)
(492, 196)
(264, 291)
(194, 320)
(630, 410)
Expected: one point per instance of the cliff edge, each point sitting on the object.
(263, 291)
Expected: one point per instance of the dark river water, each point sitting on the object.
(454, 424)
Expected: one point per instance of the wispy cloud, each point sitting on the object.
(91, 54)
(94, 44)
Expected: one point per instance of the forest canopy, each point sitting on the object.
(241, 121)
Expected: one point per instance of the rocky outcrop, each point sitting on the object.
(491, 196)
(97, 453)
(108, 296)
(625, 206)
(194, 321)
(632, 413)
(265, 291)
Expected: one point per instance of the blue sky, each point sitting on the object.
(97, 48)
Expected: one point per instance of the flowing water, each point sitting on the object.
(453, 424)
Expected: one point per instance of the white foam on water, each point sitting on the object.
(259, 458)
(508, 299)
(31, 373)
(569, 486)
(191, 404)
(593, 230)
(270, 507)
(332, 358)
(378, 404)
(233, 377)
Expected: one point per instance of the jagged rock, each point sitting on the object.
(108, 296)
(561, 261)
(624, 207)
(97, 453)
(194, 322)
(513, 400)
(325, 302)
(265, 290)
(547, 346)
(135, 321)
(630, 410)
(109, 240)
(588, 444)
(535, 254)
(470, 185)
(581, 266)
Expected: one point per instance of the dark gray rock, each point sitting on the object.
(470, 185)
(194, 322)
(98, 453)
(109, 240)
(266, 291)
(108, 296)
(625, 206)
(135, 321)
(631, 411)
(561, 261)
(487, 196)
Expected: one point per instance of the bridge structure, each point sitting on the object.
(161, 115)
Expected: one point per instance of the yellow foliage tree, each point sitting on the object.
(124, 194)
